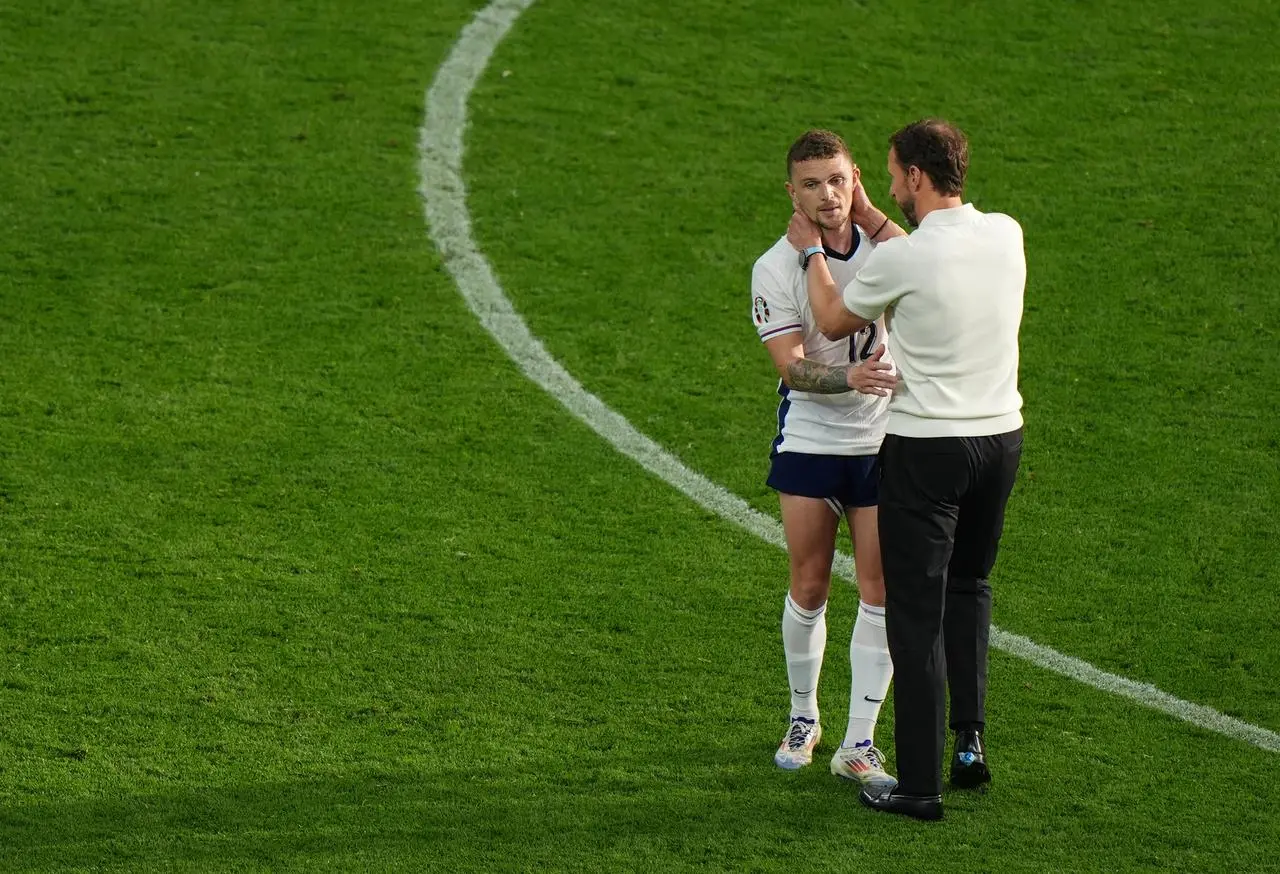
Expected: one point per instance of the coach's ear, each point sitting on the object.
(915, 178)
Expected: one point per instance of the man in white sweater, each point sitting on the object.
(951, 294)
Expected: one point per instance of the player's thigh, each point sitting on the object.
(860, 494)
(810, 527)
(864, 529)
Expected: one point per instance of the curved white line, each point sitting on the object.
(444, 197)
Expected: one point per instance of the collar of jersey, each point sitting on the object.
(844, 256)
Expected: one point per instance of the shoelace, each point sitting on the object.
(799, 734)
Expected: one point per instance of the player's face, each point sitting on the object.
(823, 190)
(900, 189)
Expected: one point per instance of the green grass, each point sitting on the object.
(298, 572)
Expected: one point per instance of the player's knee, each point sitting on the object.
(871, 590)
(810, 592)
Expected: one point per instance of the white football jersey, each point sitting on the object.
(850, 423)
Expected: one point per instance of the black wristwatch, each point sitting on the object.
(809, 253)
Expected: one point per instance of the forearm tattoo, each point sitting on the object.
(805, 375)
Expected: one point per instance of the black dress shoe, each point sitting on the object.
(889, 800)
(969, 763)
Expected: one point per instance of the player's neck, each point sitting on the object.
(839, 240)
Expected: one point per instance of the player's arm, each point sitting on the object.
(829, 312)
(870, 377)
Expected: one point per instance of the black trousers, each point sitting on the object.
(942, 502)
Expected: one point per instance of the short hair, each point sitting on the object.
(939, 149)
(814, 145)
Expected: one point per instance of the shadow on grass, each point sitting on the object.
(424, 822)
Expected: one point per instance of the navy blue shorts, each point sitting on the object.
(844, 481)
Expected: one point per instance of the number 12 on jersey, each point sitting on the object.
(860, 349)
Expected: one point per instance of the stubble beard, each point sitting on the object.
(827, 225)
(908, 211)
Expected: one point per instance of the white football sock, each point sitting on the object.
(871, 669)
(804, 638)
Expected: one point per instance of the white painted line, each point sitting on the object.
(444, 197)
(1143, 693)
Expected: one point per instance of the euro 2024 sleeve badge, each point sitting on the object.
(760, 310)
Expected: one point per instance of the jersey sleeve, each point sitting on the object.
(878, 285)
(773, 309)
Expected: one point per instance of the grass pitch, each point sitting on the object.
(299, 573)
